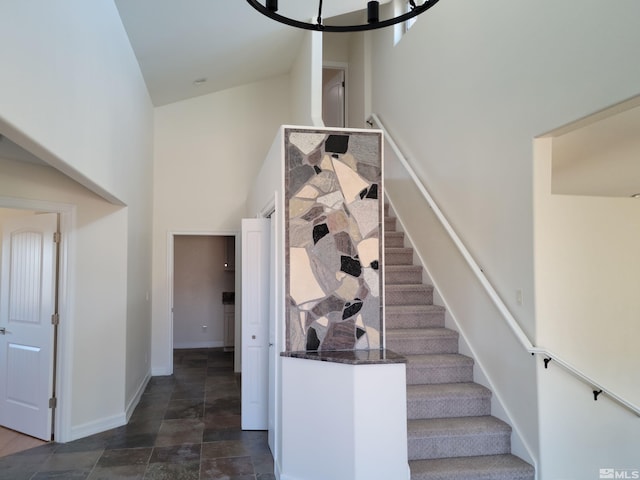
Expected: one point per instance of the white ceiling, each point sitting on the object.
(227, 42)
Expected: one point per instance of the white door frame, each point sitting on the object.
(66, 282)
(170, 275)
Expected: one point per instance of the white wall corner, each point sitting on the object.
(98, 426)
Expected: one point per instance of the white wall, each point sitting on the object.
(359, 80)
(592, 245)
(72, 94)
(306, 82)
(7, 213)
(509, 372)
(335, 46)
(465, 92)
(208, 151)
(199, 279)
(348, 399)
(72, 85)
(355, 51)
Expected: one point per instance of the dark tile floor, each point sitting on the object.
(186, 427)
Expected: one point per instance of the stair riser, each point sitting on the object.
(417, 297)
(448, 407)
(459, 446)
(414, 346)
(414, 319)
(390, 224)
(403, 277)
(417, 375)
(398, 258)
(394, 240)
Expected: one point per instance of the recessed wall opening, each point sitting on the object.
(586, 237)
(333, 97)
(204, 291)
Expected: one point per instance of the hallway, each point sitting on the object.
(186, 427)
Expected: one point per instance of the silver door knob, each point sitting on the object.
(4, 331)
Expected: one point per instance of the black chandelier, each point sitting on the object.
(270, 9)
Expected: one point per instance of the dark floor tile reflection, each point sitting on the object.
(185, 427)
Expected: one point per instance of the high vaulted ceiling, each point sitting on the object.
(226, 42)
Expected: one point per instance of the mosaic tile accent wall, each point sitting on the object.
(333, 201)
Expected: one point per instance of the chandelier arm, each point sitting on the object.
(342, 28)
(320, 12)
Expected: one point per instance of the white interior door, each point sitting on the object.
(26, 331)
(333, 101)
(274, 350)
(256, 234)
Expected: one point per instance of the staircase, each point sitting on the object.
(451, 433)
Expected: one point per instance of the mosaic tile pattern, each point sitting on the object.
(333, 190)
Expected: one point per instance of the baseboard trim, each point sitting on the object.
(213, 344)
(98, 426)
(160, 372)
(133, 403)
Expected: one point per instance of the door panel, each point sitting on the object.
(255, 323)
(26, 305)
(273, 344)
(333, 101)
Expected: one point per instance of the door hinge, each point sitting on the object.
(53, 402)
(55, 319)
(57, 237)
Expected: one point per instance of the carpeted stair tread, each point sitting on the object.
(398, 256)
(447, 400)
(414, 287)
(420, 332)
(409, 341)
(402, 268)
(393, 239)
(413, 294)
(491, 467)
(439, 360)
(431, 427)
(439, 368)
(414, 316)
(402, 274)
(457, 437)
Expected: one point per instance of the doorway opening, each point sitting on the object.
(334, 111)
(33, 271)
(203, 291)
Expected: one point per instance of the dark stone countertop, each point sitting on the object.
(350, 357)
